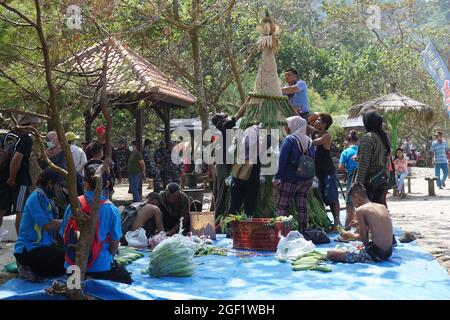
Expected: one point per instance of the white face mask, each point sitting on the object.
(131, 148)
(50, 145)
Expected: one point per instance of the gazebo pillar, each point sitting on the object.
(139, 126)
(166, 112)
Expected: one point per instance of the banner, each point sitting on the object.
(439, 72)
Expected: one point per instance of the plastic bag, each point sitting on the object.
(173, 257)
(2, 234)
(292, 246)
(157, 239)
(137, 238)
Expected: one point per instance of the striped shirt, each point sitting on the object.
(371, 157)
(440, 151)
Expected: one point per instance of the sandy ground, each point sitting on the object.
(428, 216)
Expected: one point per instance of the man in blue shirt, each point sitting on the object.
(439, 149)
(297, 91)
(109, 232)
(35, 251)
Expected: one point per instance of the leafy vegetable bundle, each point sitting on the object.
(127, 255)
(173, 257)
(311, 261)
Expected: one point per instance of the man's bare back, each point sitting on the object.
(375, 218)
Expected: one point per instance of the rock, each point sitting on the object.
(410, 237)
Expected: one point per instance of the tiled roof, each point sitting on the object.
(129, 73)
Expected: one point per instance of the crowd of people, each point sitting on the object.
(47, 231)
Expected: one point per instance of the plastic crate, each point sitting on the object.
(257, 234)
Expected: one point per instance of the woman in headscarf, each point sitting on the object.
(373, 158)
(54, 150)
(291, 186)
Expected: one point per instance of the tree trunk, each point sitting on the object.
(200, 86)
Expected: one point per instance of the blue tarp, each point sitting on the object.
(410, 273)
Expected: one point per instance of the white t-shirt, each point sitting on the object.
(79, 158)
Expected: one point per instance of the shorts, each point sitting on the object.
(358, 255)
(369, 253)
(328, 189)
(14, 198)
(349, 183)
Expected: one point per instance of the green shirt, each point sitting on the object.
(133, 162)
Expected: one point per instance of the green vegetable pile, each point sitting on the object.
(204, 249)
(173, 257)
(127, 255)
(317, 214)
(311, 261)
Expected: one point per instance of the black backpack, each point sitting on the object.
(316, 235)
(306, 167)
(6, 153)
(127, 219)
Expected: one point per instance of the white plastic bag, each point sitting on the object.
(137, 238)
(291, 247)
(154, 241)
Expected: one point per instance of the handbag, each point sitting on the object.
(242, 171)
(379, 180)
(306, 167)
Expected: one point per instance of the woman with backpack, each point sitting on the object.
(294, 179)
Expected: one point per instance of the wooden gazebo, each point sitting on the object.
(394, 106)
(132, 83)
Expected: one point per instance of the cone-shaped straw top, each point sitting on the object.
(392, 102)
(267, 81)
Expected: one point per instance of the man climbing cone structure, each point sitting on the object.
(267, 106)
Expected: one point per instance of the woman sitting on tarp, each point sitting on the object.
(105, 246)
(35, 251)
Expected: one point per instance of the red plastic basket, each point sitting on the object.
(257, 234)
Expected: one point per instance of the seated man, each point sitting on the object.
(145, 214)
(101, 263)
(373, 218)
(35, 250)
(174, 204)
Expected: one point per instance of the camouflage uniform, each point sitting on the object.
(122, 159)
(161, 159)
(173, 171)
(151, 168)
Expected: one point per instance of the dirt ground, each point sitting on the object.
(427, 216)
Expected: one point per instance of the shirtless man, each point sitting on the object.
(373, 218)
(145, 212)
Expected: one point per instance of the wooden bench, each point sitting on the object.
(409, 178)
(431, 181)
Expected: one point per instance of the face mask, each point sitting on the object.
(50, 145)
(131, 149)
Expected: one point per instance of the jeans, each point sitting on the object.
(437, 172)
(401, 180)
(135, 181)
